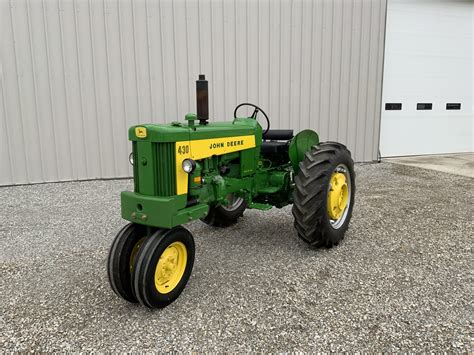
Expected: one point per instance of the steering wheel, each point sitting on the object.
(254, 114)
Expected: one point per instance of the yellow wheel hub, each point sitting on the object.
(337, 196)
(135, 250)
(170, 267)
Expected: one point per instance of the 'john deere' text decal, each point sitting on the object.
(204, 148)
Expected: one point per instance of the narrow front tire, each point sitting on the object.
(122, 258)
(163, 267)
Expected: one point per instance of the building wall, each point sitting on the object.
(75, 74)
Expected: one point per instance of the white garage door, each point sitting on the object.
(427, 105)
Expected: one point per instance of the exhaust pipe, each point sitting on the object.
(202, 100)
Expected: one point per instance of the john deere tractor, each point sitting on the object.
(213, 172)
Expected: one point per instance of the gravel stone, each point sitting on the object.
(400, 281)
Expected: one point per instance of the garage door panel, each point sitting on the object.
(428, 59)
(417, 136)
(430, 45)
(421, 67)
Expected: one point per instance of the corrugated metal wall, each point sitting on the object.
(75, 74)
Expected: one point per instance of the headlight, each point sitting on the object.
(130, 158)
(188, 166)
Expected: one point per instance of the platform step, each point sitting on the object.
(260, 206)
(269, 190)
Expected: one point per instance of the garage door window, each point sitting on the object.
(424, 106)
(452, 106)
(393, 106)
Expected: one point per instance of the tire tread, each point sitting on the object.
(309, 211)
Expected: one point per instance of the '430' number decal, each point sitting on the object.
(183, 149)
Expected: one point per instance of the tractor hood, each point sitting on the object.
(177, 131)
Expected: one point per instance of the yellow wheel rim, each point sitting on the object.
(338, 196)
(135, 250)
(170, 267)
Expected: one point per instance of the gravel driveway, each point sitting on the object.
(401, 280)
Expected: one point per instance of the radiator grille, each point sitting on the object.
(165, 176)
(135, 166)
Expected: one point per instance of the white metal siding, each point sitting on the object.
(75, 74)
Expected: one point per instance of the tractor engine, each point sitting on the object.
(190, 167)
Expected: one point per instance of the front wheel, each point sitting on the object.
(121, 259)
(163, 267)
(324, 194)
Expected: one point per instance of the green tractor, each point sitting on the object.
(185, 171)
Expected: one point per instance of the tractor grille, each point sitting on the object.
(165, 176)
(135, 167)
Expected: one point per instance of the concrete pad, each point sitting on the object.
(457, 164)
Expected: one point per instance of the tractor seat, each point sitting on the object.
(278, 135)
(271, 146)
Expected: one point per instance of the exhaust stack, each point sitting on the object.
(202, 100)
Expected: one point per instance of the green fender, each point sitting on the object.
(299, 145)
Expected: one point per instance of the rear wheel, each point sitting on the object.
(324, 194)
(163, 267)
(121, 259)
(226, 215)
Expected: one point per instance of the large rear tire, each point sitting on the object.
(324, 194)
(225, 216)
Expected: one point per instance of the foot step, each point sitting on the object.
(260, 206)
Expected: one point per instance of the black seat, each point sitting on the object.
(278, 135)
(271, 146)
